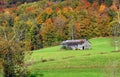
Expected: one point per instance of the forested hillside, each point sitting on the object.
(48, 22)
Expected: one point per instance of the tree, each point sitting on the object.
(61, 28)
(48, 33)
(116, 30)
(36, 42)
(116, 33)
(109, 2)
(13, 45)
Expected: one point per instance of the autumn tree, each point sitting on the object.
(33, 26)
(13, 48)
(48, 32)
(62, 33)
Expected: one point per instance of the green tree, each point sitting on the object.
(109, 2)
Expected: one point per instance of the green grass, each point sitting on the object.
(70, 73)
(75, 63)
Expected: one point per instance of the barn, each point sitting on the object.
(81, 44)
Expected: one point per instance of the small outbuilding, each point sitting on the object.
(81, 44)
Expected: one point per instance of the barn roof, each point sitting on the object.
(81, 41)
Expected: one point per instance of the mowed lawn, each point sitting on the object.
(100, 61)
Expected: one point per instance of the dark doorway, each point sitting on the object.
(83, 47)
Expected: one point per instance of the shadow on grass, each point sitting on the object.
(36, 75)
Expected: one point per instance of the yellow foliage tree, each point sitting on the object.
(102, 8)
(48, 10)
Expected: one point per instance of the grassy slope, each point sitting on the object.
(74, 63)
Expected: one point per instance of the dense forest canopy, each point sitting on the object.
(10, 3)
(52, 21)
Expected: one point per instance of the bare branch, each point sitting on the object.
(13, 36)
(5, 35)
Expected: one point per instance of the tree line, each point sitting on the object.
(51, 22)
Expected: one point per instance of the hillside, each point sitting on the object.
(85, 63)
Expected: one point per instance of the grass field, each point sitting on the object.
(99, 61)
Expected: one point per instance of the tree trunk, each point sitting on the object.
(8, 65)
(8, 71)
